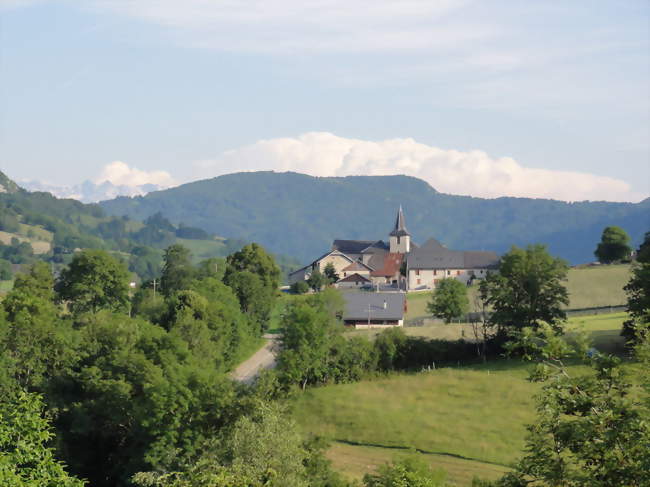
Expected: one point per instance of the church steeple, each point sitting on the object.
(400, 238)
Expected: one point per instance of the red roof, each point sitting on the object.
(391, 265)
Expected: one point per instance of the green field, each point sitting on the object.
(604, 330)
(469, 420)
(589, 287)
(203, 249)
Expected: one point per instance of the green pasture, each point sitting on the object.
(469, 420)
(203, 249)
(589, 287)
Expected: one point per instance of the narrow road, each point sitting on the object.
(263, 359)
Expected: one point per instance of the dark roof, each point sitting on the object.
(377, 246)
(352, 246)
(400, 227)
(434, 255)
(354, 278)
(357, 305)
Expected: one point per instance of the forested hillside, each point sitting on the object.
(38, 226)
(300, 215)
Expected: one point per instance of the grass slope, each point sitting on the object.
(475, 413)
(589, 287)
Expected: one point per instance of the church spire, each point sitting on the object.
(400, 227)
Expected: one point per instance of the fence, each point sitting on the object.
(477, 317)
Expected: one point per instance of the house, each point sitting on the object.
(431, 262)
(374, 310)
(400, 263)
(354, 281)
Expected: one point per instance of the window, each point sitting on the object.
(417, 272)
(419, 281)
(449, 273)
(458, 273)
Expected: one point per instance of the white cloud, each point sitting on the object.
(472, 173)
(121, 174)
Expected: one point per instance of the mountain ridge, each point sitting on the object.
(300, 215)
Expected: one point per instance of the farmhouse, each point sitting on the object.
(374, 310)
(398, 264)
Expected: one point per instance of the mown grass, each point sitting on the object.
(39, 246)
(475, 413)
(588, 287)
(355, 461)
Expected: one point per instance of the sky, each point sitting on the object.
(486, 98)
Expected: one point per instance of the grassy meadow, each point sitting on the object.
(469, 420)
(589, 287)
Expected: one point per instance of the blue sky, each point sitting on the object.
(547, 99)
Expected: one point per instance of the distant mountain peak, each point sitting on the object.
(91, 192)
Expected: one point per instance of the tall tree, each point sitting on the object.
(254, 277)
(592, 428)
(638, 303)
(614, 245)
(94, 280)
(330, 273)
(527, 290)
(177, 273)
(26, 460)
(449, 300)
(643, 253)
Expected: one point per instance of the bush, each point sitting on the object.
(300, 287)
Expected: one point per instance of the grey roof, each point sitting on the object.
(357, 303)
(434, 255)
(352, 246)
(400, 227)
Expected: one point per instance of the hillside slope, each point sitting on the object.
(300, 215)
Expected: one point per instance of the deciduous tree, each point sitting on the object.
(449, 300)
(527, 290)
(94, 280)
(614, 245)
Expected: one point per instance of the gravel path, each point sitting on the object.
(263, 359)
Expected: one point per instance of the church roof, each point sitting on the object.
(353, 246)
(400, 227)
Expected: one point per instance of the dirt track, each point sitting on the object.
(263, 359)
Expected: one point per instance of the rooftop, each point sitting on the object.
(361, 305)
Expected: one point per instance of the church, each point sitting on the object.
(398, 265)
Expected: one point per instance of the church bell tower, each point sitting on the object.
(400, 238)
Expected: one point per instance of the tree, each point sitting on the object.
(643, 253)
(177, 272)
(35, 342)
(255, 277)
(25, 458)
(299, 287)
(638, 303)
(316, 280)
(94, 280)
(330, 273)
(5, 270)
(614, 245)
(527, 290)
(255, 259)
(407, 472)
(592, 428)
(449, 300)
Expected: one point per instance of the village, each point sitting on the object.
(374, 276)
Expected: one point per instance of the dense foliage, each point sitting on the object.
(279, 210)
(592, 428)
(449, 300)
(614, 245)
(142, 393)
(527, 290)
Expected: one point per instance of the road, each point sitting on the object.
(263, 359)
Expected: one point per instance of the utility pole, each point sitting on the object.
(368, 315)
